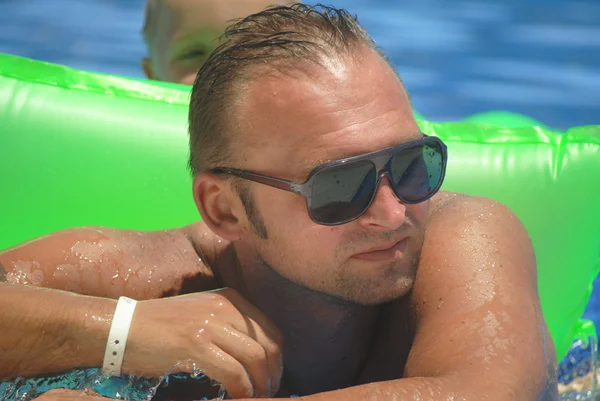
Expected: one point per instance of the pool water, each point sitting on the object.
(459, 57)
(576, 377)
(536, 57)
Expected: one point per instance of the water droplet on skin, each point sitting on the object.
(116, 276)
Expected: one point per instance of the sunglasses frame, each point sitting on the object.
(380, 159)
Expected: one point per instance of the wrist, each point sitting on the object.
(90, 325)
(117, 337)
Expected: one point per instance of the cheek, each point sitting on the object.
(278, 206)
(187, 79)
(185, 76)
(294, 235)
(179, 72)
(419, 213)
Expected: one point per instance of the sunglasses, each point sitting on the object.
(342, 190)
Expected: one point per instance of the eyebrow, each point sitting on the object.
(309, 166)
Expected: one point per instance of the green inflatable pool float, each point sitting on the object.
(79, 149)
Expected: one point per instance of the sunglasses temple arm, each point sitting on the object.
(266, 180)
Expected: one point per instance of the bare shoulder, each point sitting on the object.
(448, 203)
(449, 209)
(466, 234)
(111, 262)
(477, 284)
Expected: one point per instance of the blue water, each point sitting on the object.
(457, 57)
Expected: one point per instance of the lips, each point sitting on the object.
(384, 246)
(388, 250)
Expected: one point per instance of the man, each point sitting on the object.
(180, 34)
(346, 275)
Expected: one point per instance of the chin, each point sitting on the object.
(381, 293)
(380, 285)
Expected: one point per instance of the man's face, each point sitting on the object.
(183, 33)
(286, 124)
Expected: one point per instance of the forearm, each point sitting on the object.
(46, 331)
(431, 389)
(410, 389)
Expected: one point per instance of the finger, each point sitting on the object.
(257, 326)
(225, 369)
(273, 351)
(67, 395)
(270, 348)
(246, 308)
(251, 355)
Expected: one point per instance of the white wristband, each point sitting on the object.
(117, 337)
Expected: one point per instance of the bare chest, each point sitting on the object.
(390, 349)
(380, 357)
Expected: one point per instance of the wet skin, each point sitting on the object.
(486, 323)
(453, 314)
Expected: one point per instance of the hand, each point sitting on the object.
(219, 332)
(69, 395)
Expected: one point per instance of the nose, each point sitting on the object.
(386, 212)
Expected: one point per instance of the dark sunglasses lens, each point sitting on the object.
(417, 172)
(343, 192)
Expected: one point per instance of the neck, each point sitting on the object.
(316, 327)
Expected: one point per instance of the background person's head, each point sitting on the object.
(180, 34)
(289, 88)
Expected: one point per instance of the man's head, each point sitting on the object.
(180, 34)
(291, 88)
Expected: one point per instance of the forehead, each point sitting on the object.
(288, 124)
(175, 19)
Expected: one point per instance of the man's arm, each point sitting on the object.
(109, 263)
(479, 329)
(48, 331)
(478, 318)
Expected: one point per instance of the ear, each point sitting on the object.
(219, 207)
(147, 68)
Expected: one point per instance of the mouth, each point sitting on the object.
(387, 251)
